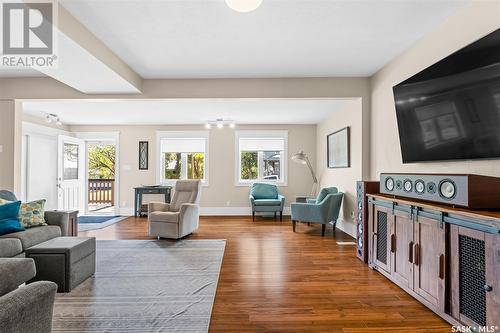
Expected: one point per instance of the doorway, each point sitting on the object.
(101, 177)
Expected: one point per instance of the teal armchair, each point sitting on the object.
(265, 198)
(324, 209)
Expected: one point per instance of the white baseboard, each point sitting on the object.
(232, 211)
(126, 211)
(348, 228)
(211, 211)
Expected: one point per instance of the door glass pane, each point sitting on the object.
(249, 165)
(272, 165)
(195, 165)
(70, 161)
(173, 167)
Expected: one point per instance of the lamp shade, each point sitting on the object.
(300, 157)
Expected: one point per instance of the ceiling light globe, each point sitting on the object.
(232, 125)
(208, 126)
(219, 125)
(244, 6)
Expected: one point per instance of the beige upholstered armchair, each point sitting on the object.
(181, 216)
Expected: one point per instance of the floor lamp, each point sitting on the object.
(302, 158)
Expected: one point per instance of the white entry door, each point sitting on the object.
(71, 173)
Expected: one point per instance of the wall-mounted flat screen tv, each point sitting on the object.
(451, 110)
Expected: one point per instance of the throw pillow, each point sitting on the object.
(3, 201)
(9, 218)
(32, 213)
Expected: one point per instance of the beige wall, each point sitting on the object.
(335, 87)
(471, 23)
(10, 141)
(342, 178)
(221, 188)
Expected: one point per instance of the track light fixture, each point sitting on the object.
(53, 118)
(220, 123)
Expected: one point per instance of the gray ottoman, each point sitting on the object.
(67, 261)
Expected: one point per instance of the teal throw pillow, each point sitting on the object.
(9, 218)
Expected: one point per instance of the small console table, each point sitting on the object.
(140, 191)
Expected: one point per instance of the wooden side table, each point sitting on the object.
(72, 216)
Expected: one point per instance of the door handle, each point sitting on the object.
(393, 243)
(416, 253)
(441, 266)
(410, 252)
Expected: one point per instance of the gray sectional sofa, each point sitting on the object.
(25, 309)
(28, 308)
(14, 244)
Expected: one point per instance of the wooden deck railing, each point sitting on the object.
(101, 191)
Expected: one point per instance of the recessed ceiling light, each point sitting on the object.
(243, 6)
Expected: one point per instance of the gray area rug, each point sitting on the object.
(145, 286)
(96, 226)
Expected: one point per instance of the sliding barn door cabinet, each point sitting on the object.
(447, 258)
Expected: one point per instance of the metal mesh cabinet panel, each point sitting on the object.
(382, 237)
(472, 278)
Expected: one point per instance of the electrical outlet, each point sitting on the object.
(228, 203)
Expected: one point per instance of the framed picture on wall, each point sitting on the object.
(338, 149)
(143, 155)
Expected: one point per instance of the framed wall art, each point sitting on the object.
(338, 149)
(143, 155)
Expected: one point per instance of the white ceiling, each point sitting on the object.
(282, 38)
(187, 111)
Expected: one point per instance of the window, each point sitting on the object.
(261, 156)
(70, 161)
(183, 155)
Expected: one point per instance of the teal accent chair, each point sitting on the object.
(265, 198)
(323, 209)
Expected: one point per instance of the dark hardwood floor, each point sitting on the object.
(274, 280)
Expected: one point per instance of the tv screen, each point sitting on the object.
(451, 110)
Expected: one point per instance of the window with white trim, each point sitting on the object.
(261, 156)
(182, 155)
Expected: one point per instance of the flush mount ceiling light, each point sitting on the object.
(53, 118)
(219, 123)
(243, 6)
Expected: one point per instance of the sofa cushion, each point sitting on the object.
(170, 217)
(14, 272)
(267, 202)
(10, 247)
(32, 214)
(264, 191)
(9, 217)
(35, 235)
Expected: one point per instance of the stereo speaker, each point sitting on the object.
(470, 191)
(363, 188)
